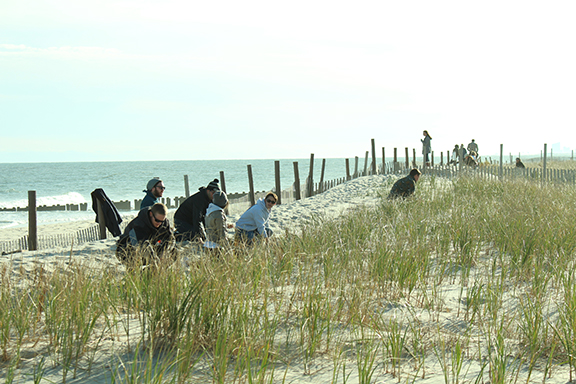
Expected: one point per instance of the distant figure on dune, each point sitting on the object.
(473, 147)
(154, 190)
(455, 154)
(148, 239)
(426, 147)
(216, 227)
(189, 218)
(254, 223)
(405, 186)
(519, 163)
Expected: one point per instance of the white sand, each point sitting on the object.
(365, 190)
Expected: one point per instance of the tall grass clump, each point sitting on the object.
(472, 275)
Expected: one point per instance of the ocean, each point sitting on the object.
(72, 183)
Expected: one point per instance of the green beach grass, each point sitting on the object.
(471, 280)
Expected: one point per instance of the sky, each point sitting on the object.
(115, 80)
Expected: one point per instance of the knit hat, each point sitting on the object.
(213, 185)
(151, 184)
(220, 199)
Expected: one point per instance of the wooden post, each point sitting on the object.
(373, 157)
(222, 182)
(297, 181)
(186, 187)
(501, 172)
(407, 158)
(251, 184)
(348, 177)
(321, 185)
(460, 159)
(365, 165)
(356, 168)
(102, 220)
(32, 222)
(395, 163)
(277, 176)
(441, 158)
(310, 183)
(414, 157)
(432, 154)
(544, 163)
(447, 157)
(383, 161)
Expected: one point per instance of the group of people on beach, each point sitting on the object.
(468, 155)
(201, 219)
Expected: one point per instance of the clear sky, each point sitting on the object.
(183, 79)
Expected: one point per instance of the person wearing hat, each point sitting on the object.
(216, 221)
(189, 218)
(154, 190)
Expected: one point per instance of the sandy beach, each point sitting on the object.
(364, 191)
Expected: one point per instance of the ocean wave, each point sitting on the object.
(68, 198)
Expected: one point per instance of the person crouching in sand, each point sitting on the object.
(216, 227)
(147, 239)
(405, 186)
(254, 223)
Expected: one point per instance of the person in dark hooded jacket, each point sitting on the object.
(147, 239)
(189, 218)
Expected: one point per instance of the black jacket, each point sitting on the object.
(111, 217)
(193, 212)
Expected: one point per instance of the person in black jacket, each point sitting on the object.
(189, 217)
(148, 239)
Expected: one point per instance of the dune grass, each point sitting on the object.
(470, 280)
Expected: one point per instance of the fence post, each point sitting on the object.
(365, 165)
(383, 161)
(414, 158)
(460, 159)
(441, 158)
(251, 186)
(544, 175)
(501, 172)
(277, 176)
(348, 177)
(222, 182)
(186, 187)
(395, 160)
(32, 222)
(310, 180)
(297, 181)
(321, 185)
(356, 167)
(373, 157)
(407, 158)
(432, 163)
(102, 220)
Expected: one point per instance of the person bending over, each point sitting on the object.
(255, 221)
(216, 227)
(189, 218)
(405, 186)
(148, 238)
(519, 163)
